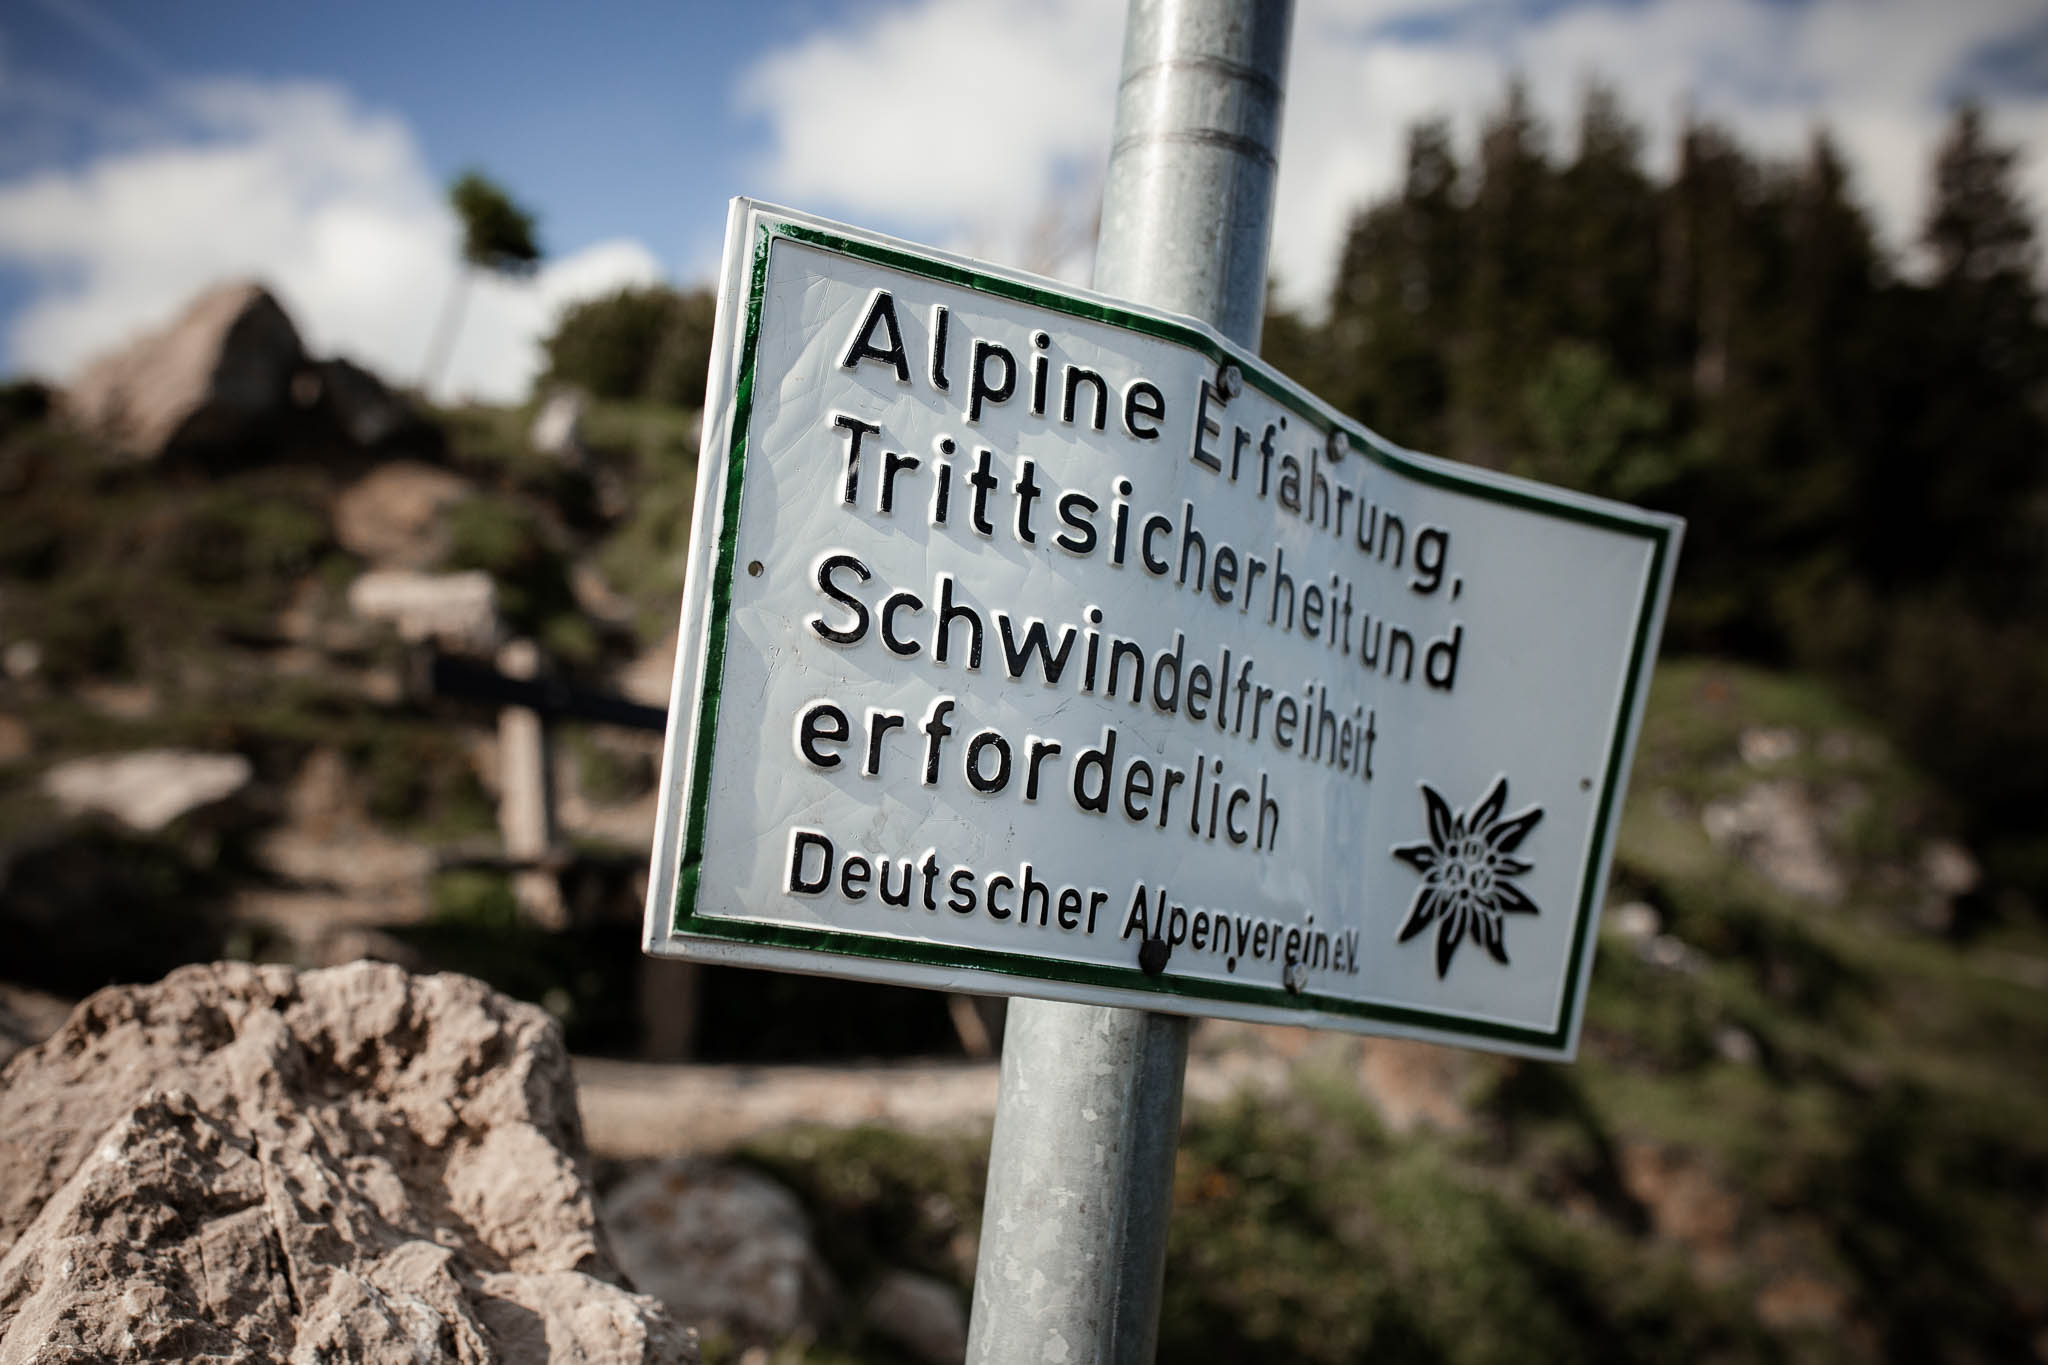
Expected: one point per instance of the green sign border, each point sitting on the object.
(686, 919)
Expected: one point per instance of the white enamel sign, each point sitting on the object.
(1035, 643)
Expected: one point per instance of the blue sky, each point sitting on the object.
(621, 116)
(150, 146)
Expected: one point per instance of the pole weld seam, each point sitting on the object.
(1249, 148)
(1221, 66)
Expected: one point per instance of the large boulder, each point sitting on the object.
(395, 516)
(148, 788)
(362, 406)
(247, 1163)
(457, 610)
(921, 1314)
(725, 1246)
(222, 369)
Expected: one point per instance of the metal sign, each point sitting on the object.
(1035, 643)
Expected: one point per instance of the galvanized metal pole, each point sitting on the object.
(1073, 1237)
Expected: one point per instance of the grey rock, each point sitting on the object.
(458, 609)
(149, 788)
(1947, 868)
(251, 1164)
(1766, 746)
(223, 367)
(1636, 921)
(558, 426)
(363, 406)
(393, 516)
(921, 1314)
(1775, 827)
(722, 1246)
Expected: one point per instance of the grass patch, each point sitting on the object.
(879, 1199)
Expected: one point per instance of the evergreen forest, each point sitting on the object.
(1857, 436)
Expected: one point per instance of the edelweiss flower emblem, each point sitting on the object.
(1465, 866)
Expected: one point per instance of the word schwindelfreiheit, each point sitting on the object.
(982, 494)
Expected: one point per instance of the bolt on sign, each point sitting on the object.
(1038, 643)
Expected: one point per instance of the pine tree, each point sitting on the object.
(1510, 299)
(1607, 238)
(1978, 230)
(1397, 299)
(1974, 460)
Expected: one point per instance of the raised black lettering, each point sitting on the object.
(976, 747)
(1080, 537)
(1017, 654)
(801, 842)
(849, 635)
(979, 387)
(821, 722)
(882, 312)
(1143, 399)
(896, 644)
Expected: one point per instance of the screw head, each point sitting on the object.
(1152, 955)
(1229, 381)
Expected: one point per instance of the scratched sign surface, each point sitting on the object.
(1035, 643)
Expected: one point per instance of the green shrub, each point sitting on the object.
(468, 898)
(652, 342)
(505, 538)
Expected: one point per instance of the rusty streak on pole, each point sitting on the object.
(1073, 1238)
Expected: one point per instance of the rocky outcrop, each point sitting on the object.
(1777, 829)
(1417, 1085)
(251, 1164)
(149, 788)
(227, 361)
(558, 427)
(27, 1017)
(724, 1246)
(921, 1315)
(394, 515)
(361, 405)
(229, 374)
(459, 610)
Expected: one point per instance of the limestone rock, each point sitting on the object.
(1766, 746)
(1687, 1203)
(1947, 874)
(225, 365)
(1777, 829)
(149, 788)
(1417, 1085)
(1947, 869)
(648, 678)
(16, 741)
(27, 1016)
(1636, 921)
(392, 516)
(921, 1314)
(357, 401)
(558, 426)
(458, 609)
(723, 1246)
(250, 1164)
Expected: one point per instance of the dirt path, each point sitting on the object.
(645, 1109)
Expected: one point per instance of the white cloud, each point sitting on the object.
(969, 117)
(296, 185)
(962, 118)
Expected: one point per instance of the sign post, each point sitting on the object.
(1080, 1175)
(1043, 642)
